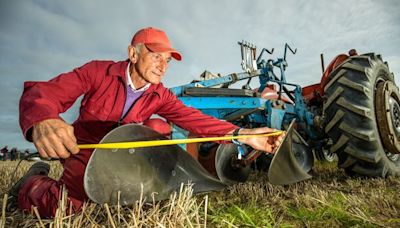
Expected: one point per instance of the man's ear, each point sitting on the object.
(132, 54)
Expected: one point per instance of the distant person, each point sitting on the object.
(13, 154)
(4, 152)
(114, 93)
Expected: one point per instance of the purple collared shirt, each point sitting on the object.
(132, 94)
(131, 97)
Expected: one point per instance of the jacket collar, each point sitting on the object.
(118, 69)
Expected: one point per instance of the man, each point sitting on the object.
(13, 154)
(115, 93)
(4, 152)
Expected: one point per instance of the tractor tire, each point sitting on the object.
(354, 108)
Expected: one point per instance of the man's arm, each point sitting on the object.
(40, 106)
(206, 126)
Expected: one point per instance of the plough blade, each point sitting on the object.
(285, 168)
(126, 175)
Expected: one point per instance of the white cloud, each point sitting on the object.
(41, 39)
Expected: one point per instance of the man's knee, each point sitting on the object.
(158, 125)
(72, 178)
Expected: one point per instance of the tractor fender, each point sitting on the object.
(332, 65)
(314, 92)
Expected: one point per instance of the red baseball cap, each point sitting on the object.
(156, 41)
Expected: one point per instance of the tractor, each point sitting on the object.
(352, 114)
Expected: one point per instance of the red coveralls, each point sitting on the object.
(103, 84)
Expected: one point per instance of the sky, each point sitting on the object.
(40, 39)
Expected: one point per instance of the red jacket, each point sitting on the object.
(103, 84)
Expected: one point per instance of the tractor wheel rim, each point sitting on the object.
(387, 110)
(328, 155)
(391, 156)
(395, 115)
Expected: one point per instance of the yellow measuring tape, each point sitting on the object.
(127, 145)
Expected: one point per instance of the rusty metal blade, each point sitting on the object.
(284, 168)
(151, 172)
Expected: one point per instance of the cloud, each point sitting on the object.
(41, 39)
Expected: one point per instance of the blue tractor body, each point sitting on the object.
(245, 107)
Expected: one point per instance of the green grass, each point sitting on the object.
(333, 211)
(245, 215)
(330, 199)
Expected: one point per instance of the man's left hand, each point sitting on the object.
(268, 144)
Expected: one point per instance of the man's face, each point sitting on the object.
(151, 66)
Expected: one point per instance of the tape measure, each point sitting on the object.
(127, 145)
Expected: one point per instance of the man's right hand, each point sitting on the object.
(53, 138)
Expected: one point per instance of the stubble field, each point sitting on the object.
(330, 199)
